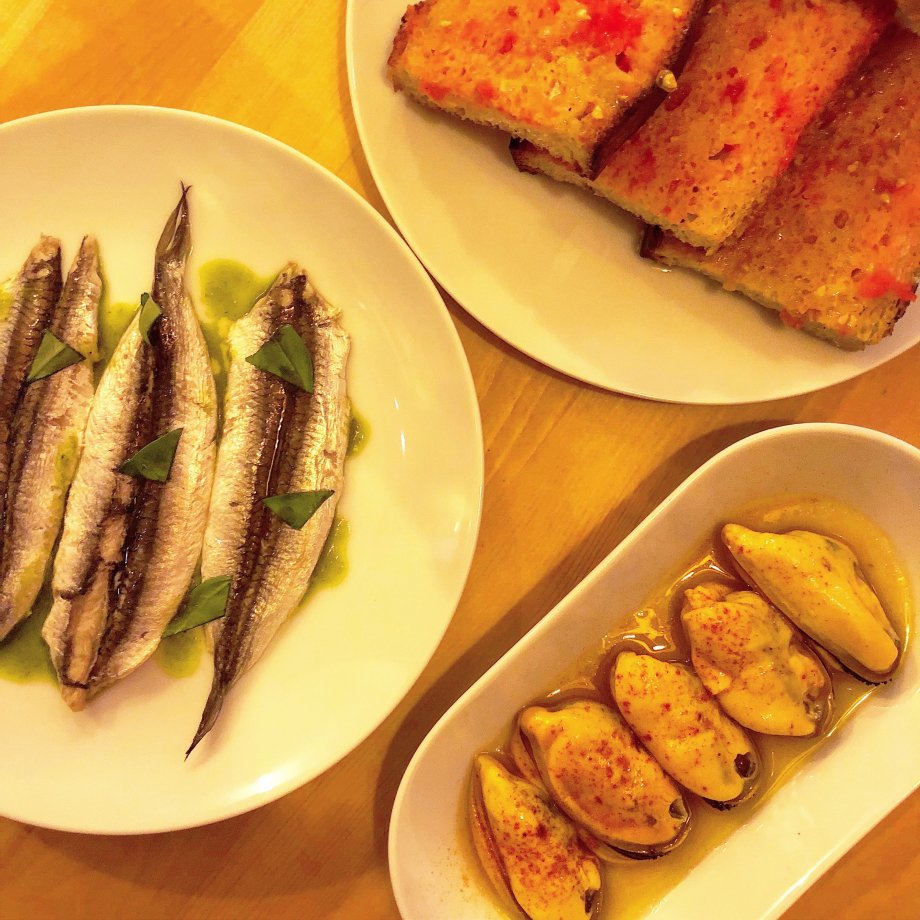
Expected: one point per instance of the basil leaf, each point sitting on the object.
(286, 356)
(150, 313)
(52, 356)
(296, 508)
(205, 602)
(154, 460)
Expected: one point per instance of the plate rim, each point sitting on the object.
(260, 798)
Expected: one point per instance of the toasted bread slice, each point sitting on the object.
(758, 73)
(910, 13)
(568, 75)
(836, 247)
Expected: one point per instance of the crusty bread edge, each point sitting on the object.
(531, 159)
(648, 101)
(400, 40)
(402, 80)
(654, 240)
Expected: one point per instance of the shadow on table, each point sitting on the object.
(536, 604)
(194, 862)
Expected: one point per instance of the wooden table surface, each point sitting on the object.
(279, 66)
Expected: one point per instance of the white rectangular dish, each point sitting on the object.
(862, 773)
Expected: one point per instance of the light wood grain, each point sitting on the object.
(570, 470)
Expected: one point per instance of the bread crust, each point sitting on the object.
(664, 249)
(836, 247)
(579, 128)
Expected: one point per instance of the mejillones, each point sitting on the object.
(530, 851)
(131, 540)
(615, 764)
(755, 663)
(285, 438)
(597, 773)
(685, 729)
(816, 581)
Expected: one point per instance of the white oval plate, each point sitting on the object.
(412, 497)
(871, 765)
(555, 272)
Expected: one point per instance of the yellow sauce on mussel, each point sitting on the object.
(635, 886)
(588, 759)
(763, 674)
(359, 431)
(531, 853)
(816, 581)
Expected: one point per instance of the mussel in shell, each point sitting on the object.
(681, 724)
(816, 582)
(531, 853)
(590, 763)
(755, 663)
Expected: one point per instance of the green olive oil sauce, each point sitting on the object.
(228, 291)
(180, 655)
(24, 655)
(114, 318)
(6, 299)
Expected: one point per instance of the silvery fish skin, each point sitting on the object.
(276, 439)
(129, 545)
(46, 441)
(753, 661)
(32, 295)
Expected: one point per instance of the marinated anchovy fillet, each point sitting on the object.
(530, 852)
(46, 439)
(755, 664)
(591, 764)
(817, 583)
(677, 719)
(277, 439)
(130, 545)
(32, 296)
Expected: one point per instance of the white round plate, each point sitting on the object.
(412, 497)
(555, 272)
